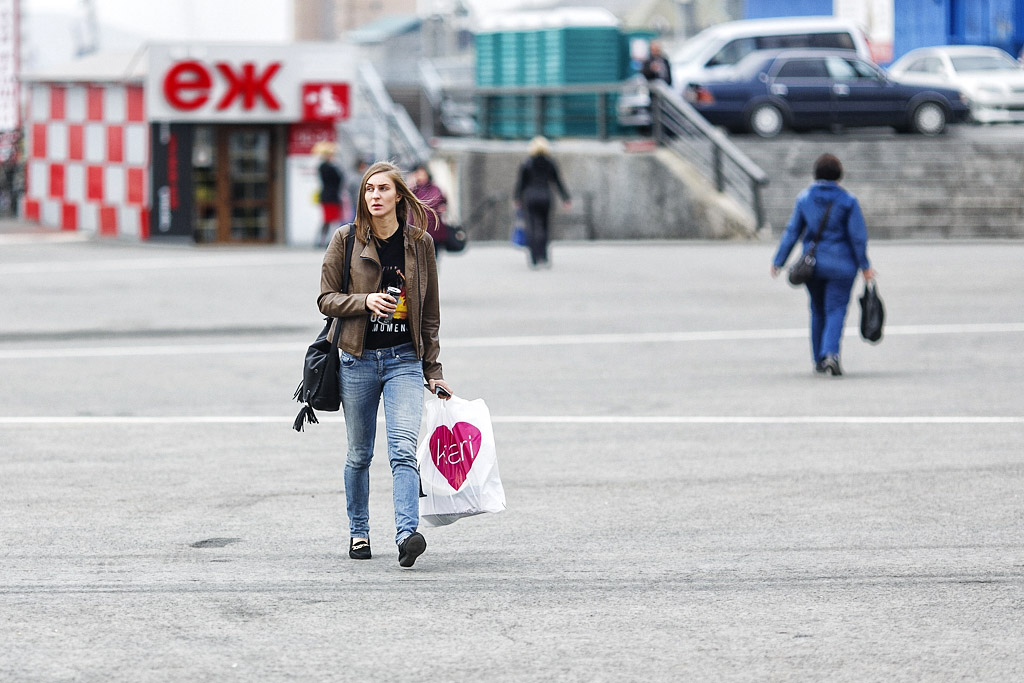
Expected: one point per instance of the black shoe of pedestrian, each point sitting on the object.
(359, 549)
(831, 365)
(411, 548)
(819, 367)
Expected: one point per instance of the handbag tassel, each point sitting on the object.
(298, 392)
(306, 415)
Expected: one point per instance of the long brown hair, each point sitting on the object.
(407, 202)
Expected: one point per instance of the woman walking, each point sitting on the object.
(331, 180)
(841, 252)
(431, 196)
(388, 321)
(533, 191)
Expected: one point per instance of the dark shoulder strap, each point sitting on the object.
(350, 239)
(824, 220)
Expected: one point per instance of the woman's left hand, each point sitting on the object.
(433, 383)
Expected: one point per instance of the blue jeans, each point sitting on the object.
(397, 374)
(829, 300)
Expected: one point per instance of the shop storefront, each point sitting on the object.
(219, 146)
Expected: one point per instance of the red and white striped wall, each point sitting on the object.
(88, 158)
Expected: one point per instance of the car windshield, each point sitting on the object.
(691, 48)
(983, 63)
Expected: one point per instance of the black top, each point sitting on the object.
(657, 67)
(382, 333)
(535, 178)
(330, 183)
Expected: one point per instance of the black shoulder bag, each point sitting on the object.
(803, 270)
(320, 387)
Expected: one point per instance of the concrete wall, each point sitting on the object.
(617, 194)
(955, 185)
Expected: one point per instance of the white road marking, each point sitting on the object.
(226, 260)
(38, 237)
(492, 342)
(105, 420)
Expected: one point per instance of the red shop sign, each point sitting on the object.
(303, 136)
(325, 101)
(188, 85)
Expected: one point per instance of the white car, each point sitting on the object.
(990, 78)
(720, 47)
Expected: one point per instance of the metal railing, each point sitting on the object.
(678, 126)
(395, 136)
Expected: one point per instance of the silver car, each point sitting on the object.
(990, 78)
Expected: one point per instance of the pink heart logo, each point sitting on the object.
(454, 451)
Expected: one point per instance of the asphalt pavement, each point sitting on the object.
(686, 500)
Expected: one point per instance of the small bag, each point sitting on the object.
(803, 270)
(519, 230)
(455, 240)
(320, 387)
(872, 314)
(457, 462)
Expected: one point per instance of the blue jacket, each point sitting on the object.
(843, 248)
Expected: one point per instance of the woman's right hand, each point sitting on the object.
(380, 304)
(869, 274)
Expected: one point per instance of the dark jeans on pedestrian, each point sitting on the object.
(538, 213)
(829, 299)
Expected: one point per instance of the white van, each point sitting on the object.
(720, 46)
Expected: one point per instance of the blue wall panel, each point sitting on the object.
(764, 9)
(919, 23)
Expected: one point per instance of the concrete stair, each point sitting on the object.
(908, 186)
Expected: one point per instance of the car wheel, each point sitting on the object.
(765, 120)
(929, 119)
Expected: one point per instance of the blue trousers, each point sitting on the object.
(396, 374)
(829, 299)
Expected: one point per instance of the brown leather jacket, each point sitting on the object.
(350, 309)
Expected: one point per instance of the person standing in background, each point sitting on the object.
(656, 66)
(331, 180)
(533, 193)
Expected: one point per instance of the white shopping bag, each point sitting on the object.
(457, 461)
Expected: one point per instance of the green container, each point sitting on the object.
(563, 55)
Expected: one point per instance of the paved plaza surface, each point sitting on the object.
(686, 501)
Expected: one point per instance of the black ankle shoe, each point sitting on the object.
(359, 550)
(411, 548)
(831, 365)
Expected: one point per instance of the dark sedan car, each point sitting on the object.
(805, 89)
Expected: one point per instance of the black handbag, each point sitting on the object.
(872, 314)
(803, 270)
(455, 240)
(320, 387)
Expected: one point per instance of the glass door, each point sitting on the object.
(250, 175)
(234, 182)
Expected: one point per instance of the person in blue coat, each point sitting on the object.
(841, 252)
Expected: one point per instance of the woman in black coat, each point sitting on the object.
(533, 192)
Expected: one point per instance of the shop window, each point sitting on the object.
(232, 169)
